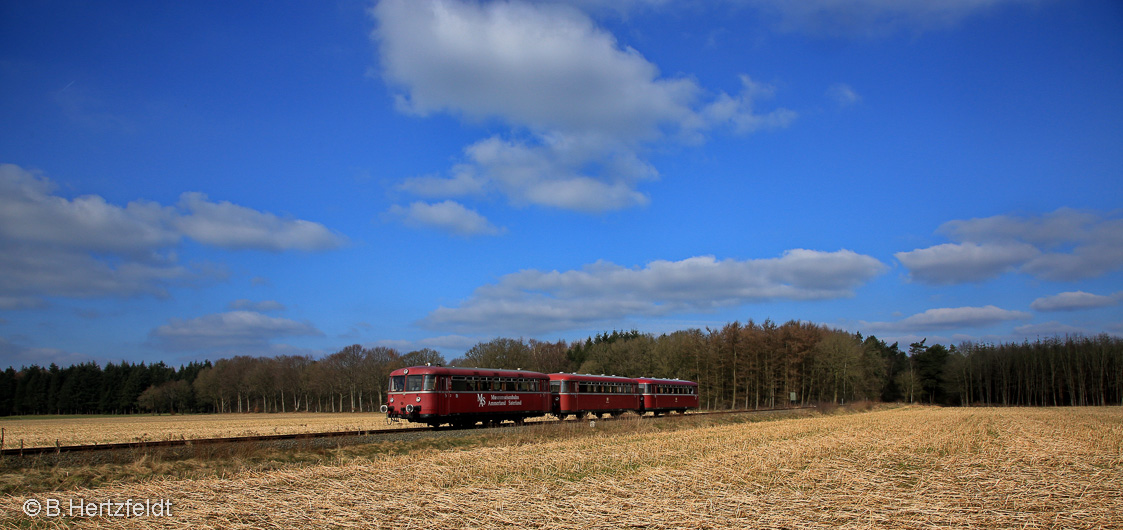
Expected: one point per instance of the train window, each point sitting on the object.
(413, 383)
(459, 384)
(430, 383)
(397, 383)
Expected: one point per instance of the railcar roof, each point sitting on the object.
(482, 372)
(562, 376)
(665, 381)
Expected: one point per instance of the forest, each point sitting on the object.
(741, 365)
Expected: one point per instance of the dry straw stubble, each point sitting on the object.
(902, 468)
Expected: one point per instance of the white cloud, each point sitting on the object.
(1074, 300)
(581, 109)
(449, 216)
(463, 182)
(738, 111)
(233, 329)
(948, 318)
(543, 66)
(964, 262)
(87, 247)
(32, 272)
(843, 95)
(227, 225)
(533, 301)
(1064, 245)
(30, 213)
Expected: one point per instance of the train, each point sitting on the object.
(463, 397)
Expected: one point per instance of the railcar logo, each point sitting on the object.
(480, 399)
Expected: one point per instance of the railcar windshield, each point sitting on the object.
(397, 383)
(418, 383)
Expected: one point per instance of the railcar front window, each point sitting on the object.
(413, 383)
(397, 383)
(430, 382)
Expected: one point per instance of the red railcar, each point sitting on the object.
(463, 396)
(665, 395)
(581, 394)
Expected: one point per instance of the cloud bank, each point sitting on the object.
(1075, 300)
(449, 216)
(533, 301)
(234, 329)
(1065, 245)
(88, 247)
(579, 109)
(948, 318)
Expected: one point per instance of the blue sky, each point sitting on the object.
(198, 180)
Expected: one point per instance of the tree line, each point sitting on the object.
(749, 365)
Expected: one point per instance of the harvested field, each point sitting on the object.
(77, 430)
(912, 467)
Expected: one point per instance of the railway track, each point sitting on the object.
(58, 449)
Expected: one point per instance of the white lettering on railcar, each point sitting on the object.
(499, 401)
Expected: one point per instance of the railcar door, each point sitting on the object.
(443, 397)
